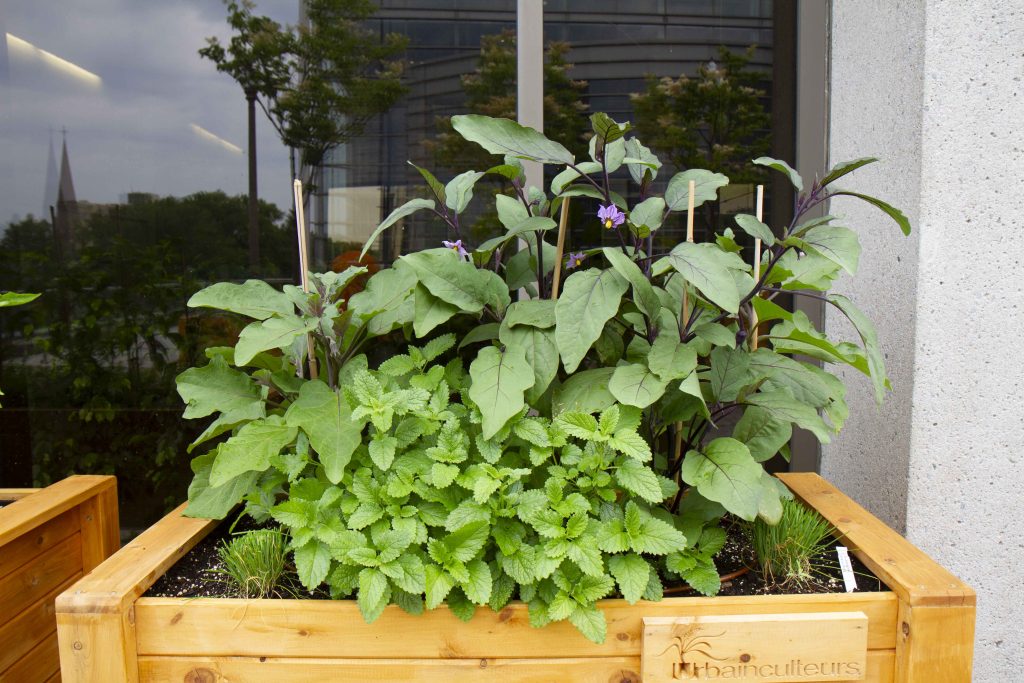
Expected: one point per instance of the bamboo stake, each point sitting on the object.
(689, 238)
(678, 446)
(563, 218)
(757, 268)
(300, 228)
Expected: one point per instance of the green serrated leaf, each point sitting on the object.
(632, 573)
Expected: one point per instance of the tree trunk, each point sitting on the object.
(254, 215)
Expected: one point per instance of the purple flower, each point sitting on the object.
(610, 216)
(457, 247)
(575, 260)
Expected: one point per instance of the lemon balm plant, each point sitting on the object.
(567, 448)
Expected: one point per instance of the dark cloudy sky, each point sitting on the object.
(132, 132)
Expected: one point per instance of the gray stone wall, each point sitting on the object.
(935, 89)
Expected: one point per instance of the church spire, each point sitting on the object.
(52, 182)
(66, 189)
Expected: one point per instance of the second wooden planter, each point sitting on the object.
(49, 538)
(921, 630)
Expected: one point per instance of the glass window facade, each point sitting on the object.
(123, 184)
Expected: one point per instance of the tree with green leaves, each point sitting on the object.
(714, 120)
(491, 90)
(318, 83)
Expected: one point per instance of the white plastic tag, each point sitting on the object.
(844, 564)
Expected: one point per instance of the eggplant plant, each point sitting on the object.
(568, 446)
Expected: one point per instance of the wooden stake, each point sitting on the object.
(563, 218)
(300, 228)
(757, 268)
(678, 445)
(689, 238)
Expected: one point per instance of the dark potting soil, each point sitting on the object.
(195, 575)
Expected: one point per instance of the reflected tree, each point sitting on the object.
(715, 120)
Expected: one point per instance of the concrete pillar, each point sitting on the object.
(934, 88)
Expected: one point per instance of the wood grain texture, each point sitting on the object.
(37, 665)
(40, 576)
(126, 575)
(101, 530)
(31, 511)
(48, 540)
(911, 574)
(97, 647)
(283, 670)
(527, 670)
(37, 541)
(8, 495)
(935, 644)
(29, 628)
(324, 628)
(755, 648)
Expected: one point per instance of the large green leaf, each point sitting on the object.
(210, 502)
(643, 293)
(782, 406)
(762, 433)
(585, 392)
(636, 385)
(386, 302)
(533, 312)
(217, 387)
(670, 359)
(784, 372)
(648, 214)
(251, 448)
(456, 281)
(430, 311)
(726, 473)
(326, 419)
(407, 209)
(640, 160)
(706, 184)
(836, 243)
(272, 333)
(499, 380)
(707, 268)
(804, 271)
(459, 190)
(559, 182)
(541, 354)
(253, 298)
(755, 228)
(589, 299)
(504, 136)
(730, 373)
(784, 168)
(869, 337)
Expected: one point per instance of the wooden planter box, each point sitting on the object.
(922, 631)
(49, 538)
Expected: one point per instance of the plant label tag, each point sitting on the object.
(847, 568)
